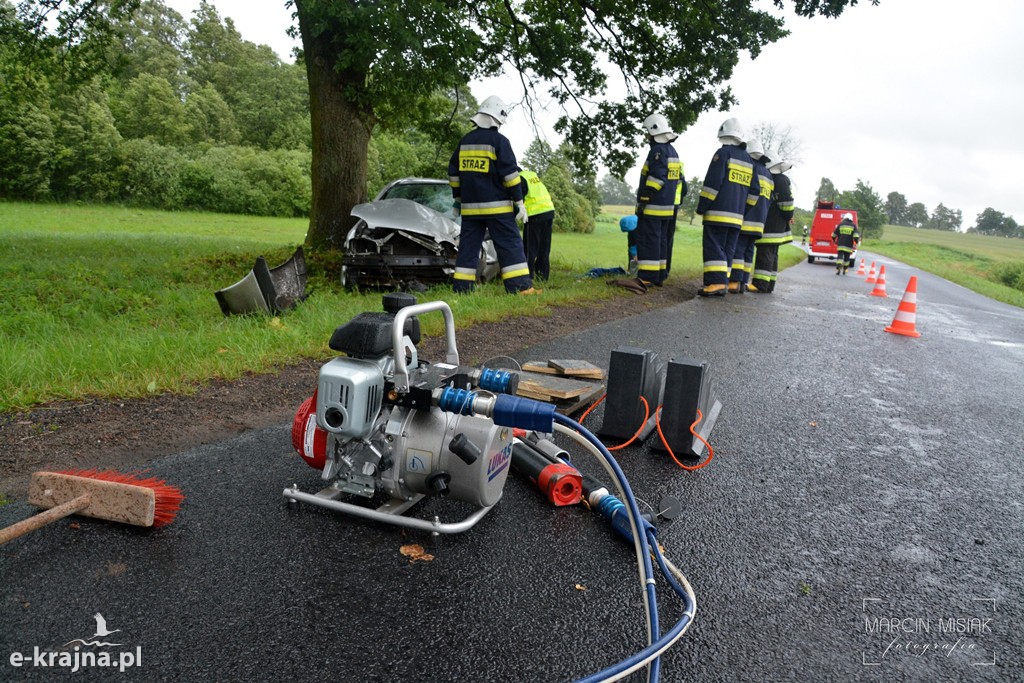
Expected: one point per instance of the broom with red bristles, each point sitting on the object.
(108, 495)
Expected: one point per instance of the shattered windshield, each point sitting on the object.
(433, 196)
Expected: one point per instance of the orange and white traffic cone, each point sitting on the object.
(860, 268)
(871, 273)
(906, 315)
(879, 289)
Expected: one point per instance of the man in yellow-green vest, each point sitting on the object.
(540, 218)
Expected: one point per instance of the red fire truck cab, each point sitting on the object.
(826, 218)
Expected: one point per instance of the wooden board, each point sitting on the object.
(539, 366)
(577, 368)
(581, 402)
(547, 387)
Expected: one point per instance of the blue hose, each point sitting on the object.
(630, 502)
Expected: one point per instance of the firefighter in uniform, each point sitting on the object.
(484, 177)
(846, 238)
(753, 220)
(729, 182)
(776, 228)
(655, 201)
(540, 218)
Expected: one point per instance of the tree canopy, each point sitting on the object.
(671, 57)
(868, 205)
(992, 222)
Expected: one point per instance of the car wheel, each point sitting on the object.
(810, 259)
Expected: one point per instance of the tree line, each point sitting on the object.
(915, 215)
(161, 113)
(174, 114)
(897, 210)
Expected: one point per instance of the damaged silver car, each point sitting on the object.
(407, 238)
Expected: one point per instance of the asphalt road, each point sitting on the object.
(865, 499)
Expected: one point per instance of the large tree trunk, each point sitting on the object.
(341, 137)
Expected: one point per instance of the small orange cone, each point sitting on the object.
(879, 289)
(860, 268)
(906, 315)
(871, 273)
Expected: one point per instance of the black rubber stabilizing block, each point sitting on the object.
(632, 373)
(687, 388)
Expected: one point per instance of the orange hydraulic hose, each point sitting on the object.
(689, 468)
(647, 415)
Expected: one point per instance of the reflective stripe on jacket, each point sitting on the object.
(730, 180)
(780, 212)
(659, 179)
(757, 205)
(845, 235)
(484, 175)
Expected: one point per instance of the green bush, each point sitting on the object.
(573, 212)
(26, 151)
(248, 181)
(1011, 275)
(151, 175)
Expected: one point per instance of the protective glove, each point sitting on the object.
(457, 208)
(521, 212)
(640, 206)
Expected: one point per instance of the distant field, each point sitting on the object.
(115, 302)
(993, 266)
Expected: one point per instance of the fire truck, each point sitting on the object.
(826, 217)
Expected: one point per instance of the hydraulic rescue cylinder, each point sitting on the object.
(558, 481)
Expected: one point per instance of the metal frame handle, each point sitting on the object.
(401, 375)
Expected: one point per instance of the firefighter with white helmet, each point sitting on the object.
(754, 216)
(484, 177)
(776, 227)
(728, 184)
(655, 204)
(846, 238)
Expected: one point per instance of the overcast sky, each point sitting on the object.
(922, 97)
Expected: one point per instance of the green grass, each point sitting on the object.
(112, 302)
(992, 266)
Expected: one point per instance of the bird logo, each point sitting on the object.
(101, 632)
(101, 627)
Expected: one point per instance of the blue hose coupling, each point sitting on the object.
(459, 401)
(524, 413)
(498, 381)
(614, 510)
(504, 410)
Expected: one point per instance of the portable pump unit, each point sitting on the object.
(382, 421)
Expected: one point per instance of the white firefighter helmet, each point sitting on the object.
(730, 132)
(755, 149)
(848, 217)
(658, 127)
(779, 165)
(491, 113)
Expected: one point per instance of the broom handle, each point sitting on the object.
(43, 518)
